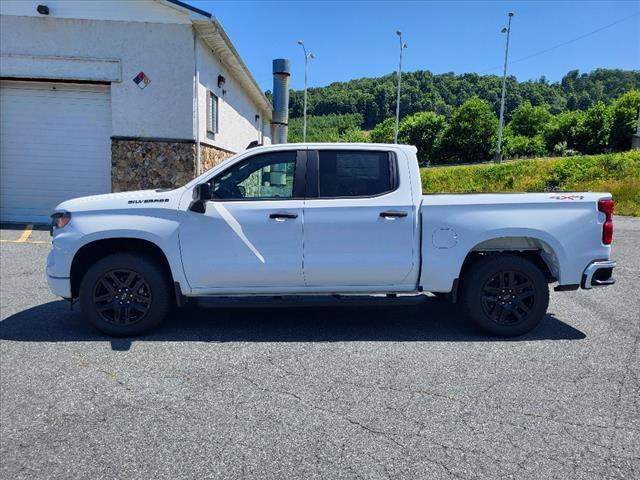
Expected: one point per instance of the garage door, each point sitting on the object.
(55, 144)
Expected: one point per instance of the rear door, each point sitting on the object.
(360, 219)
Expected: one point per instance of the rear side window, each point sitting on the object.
(349, 173)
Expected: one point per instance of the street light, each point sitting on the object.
(307, 56)
(402, 47)
(507, 30)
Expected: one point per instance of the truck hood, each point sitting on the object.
(159, 198)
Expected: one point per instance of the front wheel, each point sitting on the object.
(505, 295)
(125, 295)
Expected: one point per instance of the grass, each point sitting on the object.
(617, 173)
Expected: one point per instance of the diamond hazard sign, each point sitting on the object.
(142, 80)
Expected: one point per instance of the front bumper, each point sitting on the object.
(59, 266)
(59, 284)
(598, 274)
(60, 287)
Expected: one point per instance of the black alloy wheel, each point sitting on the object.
(505, 294)
(508, 297)
(122, 297)
(126, 294)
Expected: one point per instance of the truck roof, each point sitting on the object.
(362, 146)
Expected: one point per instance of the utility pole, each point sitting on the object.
(507, 30)
(307, 56)
(402, 47)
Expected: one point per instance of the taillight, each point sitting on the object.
(606, 206)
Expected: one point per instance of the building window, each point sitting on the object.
(212, 113)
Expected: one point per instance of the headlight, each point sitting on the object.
(60, 220)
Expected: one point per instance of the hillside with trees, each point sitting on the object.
(453, 118)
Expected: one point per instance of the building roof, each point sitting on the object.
(186, 6)
(211, 32)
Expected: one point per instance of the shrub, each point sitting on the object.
(354, 136)
(625, 120)
(562, 150)
(618, 173)
(520, 146)
(383, 132)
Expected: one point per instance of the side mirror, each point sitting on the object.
(201, 194)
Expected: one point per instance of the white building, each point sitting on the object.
(75, 120)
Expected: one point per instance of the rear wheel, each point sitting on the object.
(125, 295)
(506, 295)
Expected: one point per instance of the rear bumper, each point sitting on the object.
(598, 274)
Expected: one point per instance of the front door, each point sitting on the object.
(360, 229)
(250, 234)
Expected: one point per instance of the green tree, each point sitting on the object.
(375, 98)
(326, 128)
(422, 130)
(625, 120)
(595, 129)
(564, 128)
(529, 121)
(470, 135)
(383, 132)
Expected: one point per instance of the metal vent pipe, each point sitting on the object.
(280, 118)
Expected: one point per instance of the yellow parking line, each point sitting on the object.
(25, 235)
(23, 241)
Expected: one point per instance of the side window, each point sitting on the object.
(264, 176)
(351, 173)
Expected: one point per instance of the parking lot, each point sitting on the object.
(353, 392)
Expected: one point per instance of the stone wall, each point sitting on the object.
(138, 164)
(211, 156)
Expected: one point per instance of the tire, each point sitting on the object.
(125, 295)
(505, 295)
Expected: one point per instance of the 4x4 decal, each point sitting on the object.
(567, 197)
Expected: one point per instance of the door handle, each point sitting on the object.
(283, 215)
(390, 214)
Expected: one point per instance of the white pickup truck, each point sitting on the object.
(325, 219)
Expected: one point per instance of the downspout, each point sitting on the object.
(196, 95)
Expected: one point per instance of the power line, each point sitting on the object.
(541, 52)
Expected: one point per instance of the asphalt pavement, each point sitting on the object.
(286, 393)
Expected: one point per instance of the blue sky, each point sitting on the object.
(357, 39)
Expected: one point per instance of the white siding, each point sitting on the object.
(121, 10)
(114, 41)
(163, 51)
(237, 126)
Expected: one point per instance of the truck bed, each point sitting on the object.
(565, 226)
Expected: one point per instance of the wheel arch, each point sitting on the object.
(537, 250)
(95, 250)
